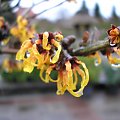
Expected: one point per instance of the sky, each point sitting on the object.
(70, 8)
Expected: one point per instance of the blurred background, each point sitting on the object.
(24, 96)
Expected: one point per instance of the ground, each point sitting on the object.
(53, 107)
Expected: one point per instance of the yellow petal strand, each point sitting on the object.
(80, 91)
(14, 31)
(27, 67)
(65, 82)
(20, 54)
(45, 44)
(59, 86)
(49, 70)
(69, 74)
(82, 74)
(97, 56)
(47, 58)
(75, 78)
(113, 60)
(25, 46)
(19, 66)
(43, 58)
(86, 72)
(39, 57)
(57, 54)
(117, 50)
(6, 65)
(43, 68)
(33, 60)
(85, 79)
(5, 41)
(58, 37)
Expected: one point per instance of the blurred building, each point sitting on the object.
(81, 21)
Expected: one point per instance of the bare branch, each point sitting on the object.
(7, 50)
(46, 10)
(24, 14)
(10, 8)
(84, 51)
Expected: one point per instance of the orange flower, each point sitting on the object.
(113, 60)
(114, 35)
(67, 79)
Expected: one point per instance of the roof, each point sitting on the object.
(83, 20)
(79, 19)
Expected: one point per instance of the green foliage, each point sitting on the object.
(20, 76)
(93, 70)
(112, 74)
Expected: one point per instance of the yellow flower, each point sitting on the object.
(45, 44)
(113, 60)
(11, 65)
(40, 50)
(43, 51)
(25, 46)
(57, 53)
(50, 42)
(68, 80)
(67, 76)
(22, 31)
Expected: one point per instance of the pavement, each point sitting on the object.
(52, 107)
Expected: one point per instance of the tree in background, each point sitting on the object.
(97, 13)
(114, 14)
(84, 9)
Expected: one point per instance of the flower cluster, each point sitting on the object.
(10, 65)
(4, 31)
(68, 70)
(114, 40)
(22, 31)
(44, 51)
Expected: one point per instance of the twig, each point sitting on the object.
(84, 51)
(27, 12)
(7, 50)
(10, 8)
(47, 10)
